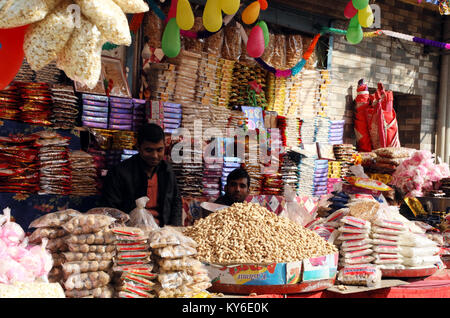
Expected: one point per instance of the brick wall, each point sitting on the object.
(402, 66)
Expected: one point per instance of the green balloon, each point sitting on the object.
(171, 39)
(360, 4)
(354, 22)
(354, 35)
(265, 29)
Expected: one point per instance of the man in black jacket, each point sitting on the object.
(145, 174)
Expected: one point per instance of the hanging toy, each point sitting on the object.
(256, 42)
(251, 13)
(230, 7)
(350, 11)
(266, 33)
(365, 17)
(354, 32)
(212, 16)
(171, 41)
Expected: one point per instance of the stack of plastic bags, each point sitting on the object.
(417, 175)
(386, 240)
(132, 264)
(21, 262)
(179, 273)
(336, 135)
(321, 129)
(355, 247)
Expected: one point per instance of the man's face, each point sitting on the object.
(238, 189)
(152, 153)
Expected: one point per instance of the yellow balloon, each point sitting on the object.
(185, 16)
(365, 17)
(251, 13)
(230, 6)
(212, 16)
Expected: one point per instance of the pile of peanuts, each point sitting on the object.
(249, 233)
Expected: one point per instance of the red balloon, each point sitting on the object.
(172, 10)
(350, 10)
(11, 53)
(255, 43)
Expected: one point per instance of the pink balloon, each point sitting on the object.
(350, 10)
(255, 43)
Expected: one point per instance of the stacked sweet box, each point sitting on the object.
(138, 113)
(121, 113)
(154, 112)
(313, 177)
(321, 129)
(321, 177)
(95, 111)
(172, 117)
(336, 135)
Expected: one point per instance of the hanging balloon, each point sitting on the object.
(212, 16)
(360, 4)
(263, 4)
(230, 6)
(251, 13)
(365, 17)
(173, 10)
(265, 29)
(350, 11)
(354, 22)
(11, 53)
(255, 43)
(171, 41)
(185, 16)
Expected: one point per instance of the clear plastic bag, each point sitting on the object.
(357, 222)
(100, 292)
(176, 251)
(44, 232)
(78, 257)
(278, 59)
(180, 264)
(409, 251)
(153, 29)
(411, 239)
(352, 236)
(88, 280)
(55, 219)
(389, 237)
(102, 237)
(293, 210)
(346, 228)
(356, 253)
(120, 216)
(88, 223)
(294, 49)
(357, 260)
(231, 49)
(355, 248)
(86, 248)
(174, 280)
(57, 245)
(386, 249)
(142, 218)
(85, 266)
(385, 230)
(364, 275)
(357, 242)
(214, 43)
(421, 261)
(168, 236)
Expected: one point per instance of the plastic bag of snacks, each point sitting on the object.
(174, 279)
(88, 280)
(140, 217)
(77, 257)
(365, 275)
(85, 266)
(88, 223)
(44, 232)
(214, 43)
(99, 292)
(367, 183)
(55, 219)
(179, 264)
(102, 237)
(120, 216)
(175, 251)
(231, 49)
(168, 236)
(356, 222)
(86, 248)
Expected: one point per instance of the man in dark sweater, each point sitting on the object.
(237, 188)
(145, 174)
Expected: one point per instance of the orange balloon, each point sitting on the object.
(11, 53)
(263, 4)
(251, 13)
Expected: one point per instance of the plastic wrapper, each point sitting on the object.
(194, 44)
(390, 249)
(174, 280)
(176, 251)
(100, 238)
(352, 236)
(44, 232)
(355, 248)
(231, 49)
(421, 261)
(365, 275)
(132, 247)
(390, 224)
(85, 266)
(89, 280)
(389, 237)
(367, 183)
(18, 13)
(356, 260)
(55, 275)
(346, 228)
(294, 49)
(99, 292)
(293, 210)
(394, 152)
(139, 255)
(385, 230)
(167, 236)
(85, 224)
(311, 63)
(132, 6)
(183, 291)
(153, 29)
(214, 43)
(278, 59)
(356, 253)
(411, 252)
(180, 264)
(120, 216)
(141, 217)
(57, 245)
(136, 290)
(77, 257)
(350, 220)
(87, 248)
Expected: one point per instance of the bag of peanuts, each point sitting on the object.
(88, 280)
(88, 223)
(365, 275)
(55, 219)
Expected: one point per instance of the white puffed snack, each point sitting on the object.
(132, 6)
(109, 19)
(51, 4)
(22, 12)
(31, 290)
(81, 57)
(46, 38)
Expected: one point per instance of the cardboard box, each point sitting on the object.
(318, 268)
